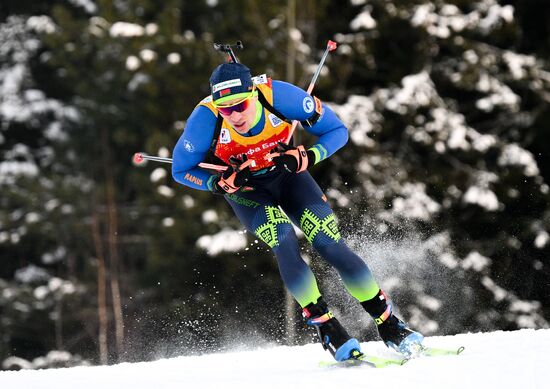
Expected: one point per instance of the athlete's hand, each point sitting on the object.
(236, 175)
(292, 159)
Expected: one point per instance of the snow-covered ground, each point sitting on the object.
(518, 359)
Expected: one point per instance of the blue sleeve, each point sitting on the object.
(295, 104)
(192, 148)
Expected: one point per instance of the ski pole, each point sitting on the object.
(228, 49)
(331, 45)
(140, 158)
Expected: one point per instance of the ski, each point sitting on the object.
(436, 352)
(425, 351)
(368, 360)
(378, 362)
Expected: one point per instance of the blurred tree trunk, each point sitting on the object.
(112, 240)
(101, 289)
(291, 47)
(59, 322)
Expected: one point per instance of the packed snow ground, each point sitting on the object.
(518, 359)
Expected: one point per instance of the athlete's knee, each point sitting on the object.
(320, 227)
(273, 226)
(329, 251)
(342, 258)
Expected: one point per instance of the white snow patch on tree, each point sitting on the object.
(417, 90)
(88, 5)
(168, 222)
(158, 174)
(517, 63)
(360, 116)
(11, 170)
(98, 26)
(31, 273)
(514, 155)
(188, 201)
(448, 260)
(210, 216)
(363, 20)
(495, 14)
(452, 129)
(49, 258)
(165, 191)
(441, 21)
(224, 241)
(525, 314)
(499, 293)
(174, 58)
(151, 28)
(137, 80)
(163, 152)
(415, 203)
(126, 30)
(475, 261)
(61, 287)
(542, 239)
(148, 55)
(430, 302)
(41, 24)
(483, 197)
(132, 63)
(341, 199)
(482, 142)
(501, 95)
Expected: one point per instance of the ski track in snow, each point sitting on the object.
(516, 359)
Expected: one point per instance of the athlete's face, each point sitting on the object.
(241, 121)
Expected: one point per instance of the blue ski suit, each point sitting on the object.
(280, 198)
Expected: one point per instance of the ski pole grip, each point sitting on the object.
(247, 163)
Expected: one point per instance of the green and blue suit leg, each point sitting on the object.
(302, 199)
(306, 205)
(316, 219)
(259, 214)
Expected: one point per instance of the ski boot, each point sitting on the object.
(333, 336)
(393, 331)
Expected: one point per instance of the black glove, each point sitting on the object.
(292, 159)
(236, 175)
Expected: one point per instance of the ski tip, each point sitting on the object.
(460, 350)
(331, 45)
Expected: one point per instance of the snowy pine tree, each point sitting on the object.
(444, 140)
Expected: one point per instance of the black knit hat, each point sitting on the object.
(229, 79)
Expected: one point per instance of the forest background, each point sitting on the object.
(442, 188)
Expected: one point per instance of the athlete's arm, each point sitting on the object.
(295, 104)
(192, 148)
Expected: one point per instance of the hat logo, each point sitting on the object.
(225, 92)
(226, 84)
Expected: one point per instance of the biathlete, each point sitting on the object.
(243, 125)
